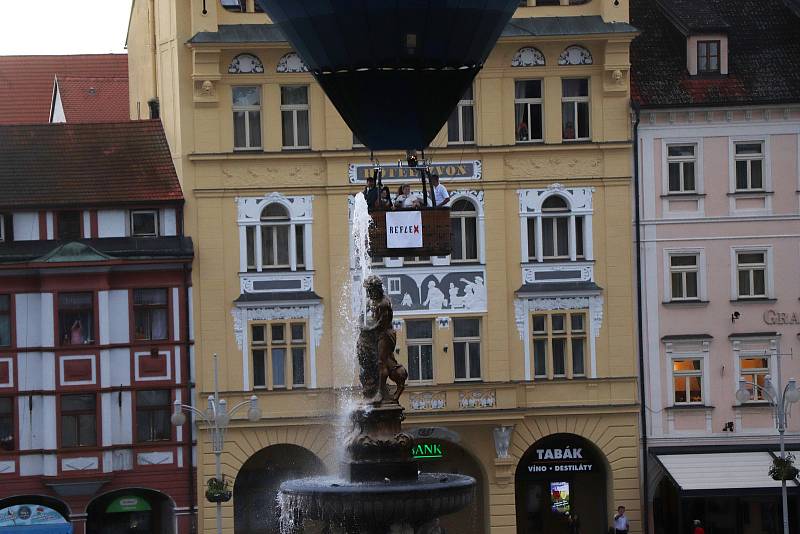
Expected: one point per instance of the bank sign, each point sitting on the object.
(566, 460)
(427, 451)
(447, 171)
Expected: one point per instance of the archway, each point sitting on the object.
(561, 478)
(131, 510)
(34, 512)
(443, 456)
(257, 483)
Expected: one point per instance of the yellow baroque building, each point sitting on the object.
(520, 345)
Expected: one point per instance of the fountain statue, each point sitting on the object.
(381, 490)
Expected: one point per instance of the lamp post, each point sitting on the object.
(780, 401)
(217, 417)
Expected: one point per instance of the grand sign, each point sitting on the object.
(776, 317)
(447, 171)
(558, 460)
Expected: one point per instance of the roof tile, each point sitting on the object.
(90, 164)
(26, 82)
(763, 52)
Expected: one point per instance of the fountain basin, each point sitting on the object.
(377, 505)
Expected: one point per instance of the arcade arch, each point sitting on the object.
(256, 487)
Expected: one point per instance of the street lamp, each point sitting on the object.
(217, 417)
(781, 403)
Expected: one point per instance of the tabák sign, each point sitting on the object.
(558, 460)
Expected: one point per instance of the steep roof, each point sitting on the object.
(89, 164)
(94, 99)
(763, 52)
(26, 82)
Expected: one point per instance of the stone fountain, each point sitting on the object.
(380, 489)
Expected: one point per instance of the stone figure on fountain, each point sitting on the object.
(379, 336)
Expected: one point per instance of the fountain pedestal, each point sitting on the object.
(381, 490)
(378, 449)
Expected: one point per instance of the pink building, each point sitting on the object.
(718, 145)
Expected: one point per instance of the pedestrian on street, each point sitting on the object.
(698, 527)
(620, 521)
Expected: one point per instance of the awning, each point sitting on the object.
(38, 529)
(128, 503)
(705, 473)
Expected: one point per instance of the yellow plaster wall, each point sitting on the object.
(199, 129)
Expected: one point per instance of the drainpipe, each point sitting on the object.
(639, 318)
(189, 440)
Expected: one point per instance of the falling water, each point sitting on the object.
(352, 313)
(352, 308)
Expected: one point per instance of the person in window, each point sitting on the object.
(522, 131)
(405, 198)
(371, 193)
(442, 197)
(569, 130)
(698, 527)
(76, 333)
(385, 200)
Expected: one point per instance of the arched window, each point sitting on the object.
(464, 224)
(271, 243)
(559, 230)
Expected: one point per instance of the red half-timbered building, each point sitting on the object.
(95, 331)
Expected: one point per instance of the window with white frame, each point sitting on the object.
(461, 125)
(279, 354)
(751, 274)
(294, 116)
(559, 344)
(708, 57)
(419, 344)
(269, 244)
(754, 369)
(684, 276)
(144, 223)
(687, 380)
(749, 165)
(575, 109)
(560, 231)
(464, 225)
(467, 348)
(681, 164)
(528, 110)
(247, 118)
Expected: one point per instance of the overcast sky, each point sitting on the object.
(63, 26)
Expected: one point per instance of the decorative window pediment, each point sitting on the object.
(246, 64)
(291, 62)
(528, 57)
(575, 55)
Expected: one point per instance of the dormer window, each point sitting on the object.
(707, 54)
(144, 223)
(708, 57)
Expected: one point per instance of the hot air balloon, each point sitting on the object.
(395, 69)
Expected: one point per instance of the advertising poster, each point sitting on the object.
(559, 494)
(404, 229)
